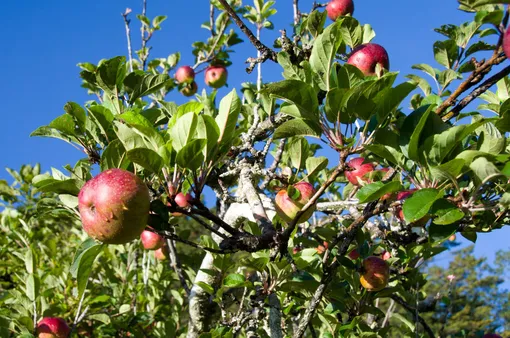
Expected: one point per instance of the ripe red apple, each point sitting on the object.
(321, 248)
(385, 255)
(183, 201)
(287, 208)
(354, 254)
(52, 327)
(506, 43)
(356, 169)
(162, 253)
(114, 206)
(185, 74)
(216, 76)
(190, 89)
(151, 240)
(365, 57)
(337, 8)
(375, 274)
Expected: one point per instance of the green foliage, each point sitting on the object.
(258, 272)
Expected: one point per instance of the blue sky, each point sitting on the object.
(43, 41)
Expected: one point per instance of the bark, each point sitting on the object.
(199, 300)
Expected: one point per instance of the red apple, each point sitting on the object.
(52, 327)
(185, 74)
(356, 169)
(183, 201)
(216, 76)
(375, 274)
(190, 89)
(295, 250)
(287, 208)
(354, 254)
(321, 248)
(162, 253)
(114, 206)
(151, 240)
(365, 57)
(506, 43)
(337, 8)
(385, 255)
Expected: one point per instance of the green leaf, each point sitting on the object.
(114, 156)
(83, 262)
(351, 31)
(207, 288)
(234, 280)
(297, 127)
(391, 98)
(129, 137)
(45, 131)
(183, 130)
(437, 147)
(65, 124)
(29, 261)
(191, 156)
(137, 121)
(298, 149)
(374, 191)
(315, 164)
(449, 170)
(147, 158)
(78, 113)
(100, 317)
(413, 126)
(315, 22)
(139, 84)
(298, 93)
(324, 50)
(208, 129)
(446, 212)
(110, 74)
(446, 52)
(102, 118)
(228, 114)
(32, 287)
(483, 168)
(419, 204)
(46, 184)
(291, 71)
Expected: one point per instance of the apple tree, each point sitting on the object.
(292, 208)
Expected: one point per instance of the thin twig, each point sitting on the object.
(297, 13)
(266, 52)
(175, 263)
(128, 36)
(412, 310)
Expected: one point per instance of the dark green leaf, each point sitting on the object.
(419, 204)
(374, 191)
(147, 158)
(83, 262)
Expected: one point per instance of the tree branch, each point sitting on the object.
(266, 52)
(476, 92)
(175, 263)
(475, 77)
(128, 35)
(414, 312)
(345, 238)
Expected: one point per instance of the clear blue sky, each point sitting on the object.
(42, 41)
